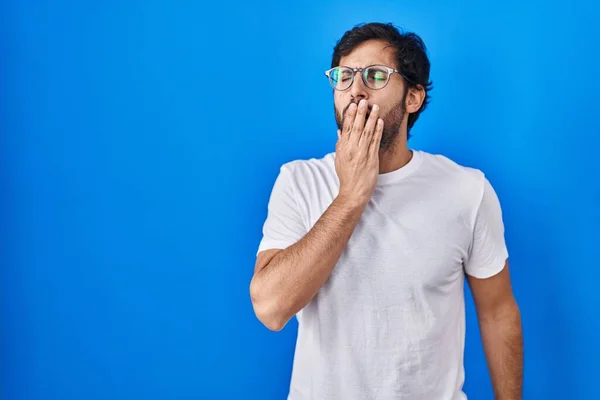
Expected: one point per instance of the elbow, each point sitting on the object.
(507, 312)
(266, 309)
(273, 324)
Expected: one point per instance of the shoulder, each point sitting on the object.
(445, 166)
(302, 170)
(464, 181)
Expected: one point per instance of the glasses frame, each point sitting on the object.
(362, 75)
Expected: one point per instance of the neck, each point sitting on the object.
(395, 157)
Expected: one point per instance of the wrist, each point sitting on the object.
(351, 202)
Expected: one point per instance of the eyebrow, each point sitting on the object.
(366, 64)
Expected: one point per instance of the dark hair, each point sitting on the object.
(410, 53)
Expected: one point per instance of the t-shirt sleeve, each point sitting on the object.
(488, 252)
(284, 225)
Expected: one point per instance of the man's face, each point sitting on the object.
(390, 99)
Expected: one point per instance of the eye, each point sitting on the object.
(345, 75)
(377, 75)
(341, 74)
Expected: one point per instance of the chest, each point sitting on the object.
(402, 244)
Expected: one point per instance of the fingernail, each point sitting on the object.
(375, 107)
(352, 107)
(363, 103)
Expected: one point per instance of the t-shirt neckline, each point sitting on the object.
(402, 172)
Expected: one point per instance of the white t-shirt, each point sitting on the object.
(389, 323)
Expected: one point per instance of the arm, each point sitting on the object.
(500, 326)
(498, 314)
(286, 280)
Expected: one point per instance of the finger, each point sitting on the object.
(359, 120)
(349, 121)
(370, 125)
(376, 141)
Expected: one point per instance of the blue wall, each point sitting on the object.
(140, 141)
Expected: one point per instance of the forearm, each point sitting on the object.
(502, 339)
(294, 275)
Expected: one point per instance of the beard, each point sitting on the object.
(392, 121)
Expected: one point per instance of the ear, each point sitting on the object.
(414, 99)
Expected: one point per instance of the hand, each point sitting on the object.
(357, 153)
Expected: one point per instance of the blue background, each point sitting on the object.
(140, 142)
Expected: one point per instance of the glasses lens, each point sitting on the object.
(376, 77)
(340, 78)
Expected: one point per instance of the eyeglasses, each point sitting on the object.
(374, 77)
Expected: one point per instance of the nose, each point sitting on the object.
(358, 90)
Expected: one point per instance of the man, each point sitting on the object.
(369, 246)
